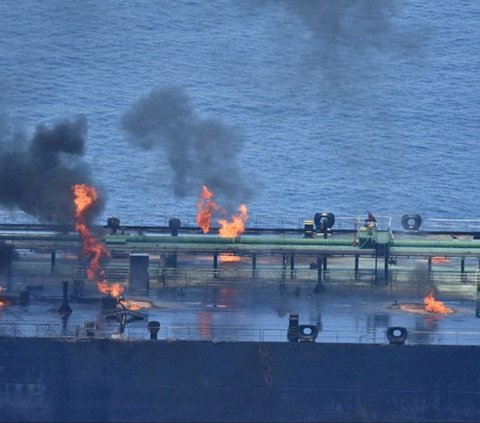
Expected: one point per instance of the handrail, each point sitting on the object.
(240, 334)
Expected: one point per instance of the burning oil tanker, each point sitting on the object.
(274, 325)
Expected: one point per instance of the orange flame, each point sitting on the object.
(233, 229)
(434, 306)
(206, 207)
(134, 305)
(229, 258)
(84, 198)
(439, 259)
(236, 226)
(2, 304)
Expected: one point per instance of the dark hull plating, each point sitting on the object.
(47, 379)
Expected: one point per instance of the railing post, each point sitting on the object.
(215, 265)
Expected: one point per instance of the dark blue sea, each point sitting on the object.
(291, 107)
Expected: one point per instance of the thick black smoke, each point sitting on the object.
(200, 152)
(36, 175)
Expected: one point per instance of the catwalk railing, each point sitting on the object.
(373, 335)
(342, 222)
(401, 275)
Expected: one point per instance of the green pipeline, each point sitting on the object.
(426, 243)
(216, 240)
(284, 241)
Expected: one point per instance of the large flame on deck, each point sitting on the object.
(85, 197)
(236, 226)
(434, 306)
(206, 207)
(232, 229)
(228, 229)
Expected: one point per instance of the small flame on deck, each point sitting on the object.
(434, 306)
(84, 198)
(229, 258)
(134, 305)
(439, 259)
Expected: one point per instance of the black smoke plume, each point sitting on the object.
(36, 175)
(199, 151)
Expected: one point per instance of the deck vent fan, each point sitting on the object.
(307, 333)
(411, 222)
(153, 327)
(397, 335)
(113, 223)
(324, 222)
(174, 225)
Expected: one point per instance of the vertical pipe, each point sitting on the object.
(65, 291)
(65, 308)
(376, 263)
(254, 265)
(357, 261)
(292, 266)
(319, 269)
(52, 261)
(325, 236)
(462, 265)
(477, 305)
(215, 265)
(430, 264)
(284, 267)
(387, 256)
(319, 286)
(123, 322)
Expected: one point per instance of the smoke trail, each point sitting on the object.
(200, 152)
(36, 175)
(345, 21)
(348, 36)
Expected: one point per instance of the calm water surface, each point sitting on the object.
(340, 108)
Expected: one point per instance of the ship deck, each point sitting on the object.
(202, 298)
(254, 312)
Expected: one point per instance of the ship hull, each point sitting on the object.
(52, 379)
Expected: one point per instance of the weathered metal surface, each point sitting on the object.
(114, 380)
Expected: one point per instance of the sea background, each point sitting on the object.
(341, 107)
